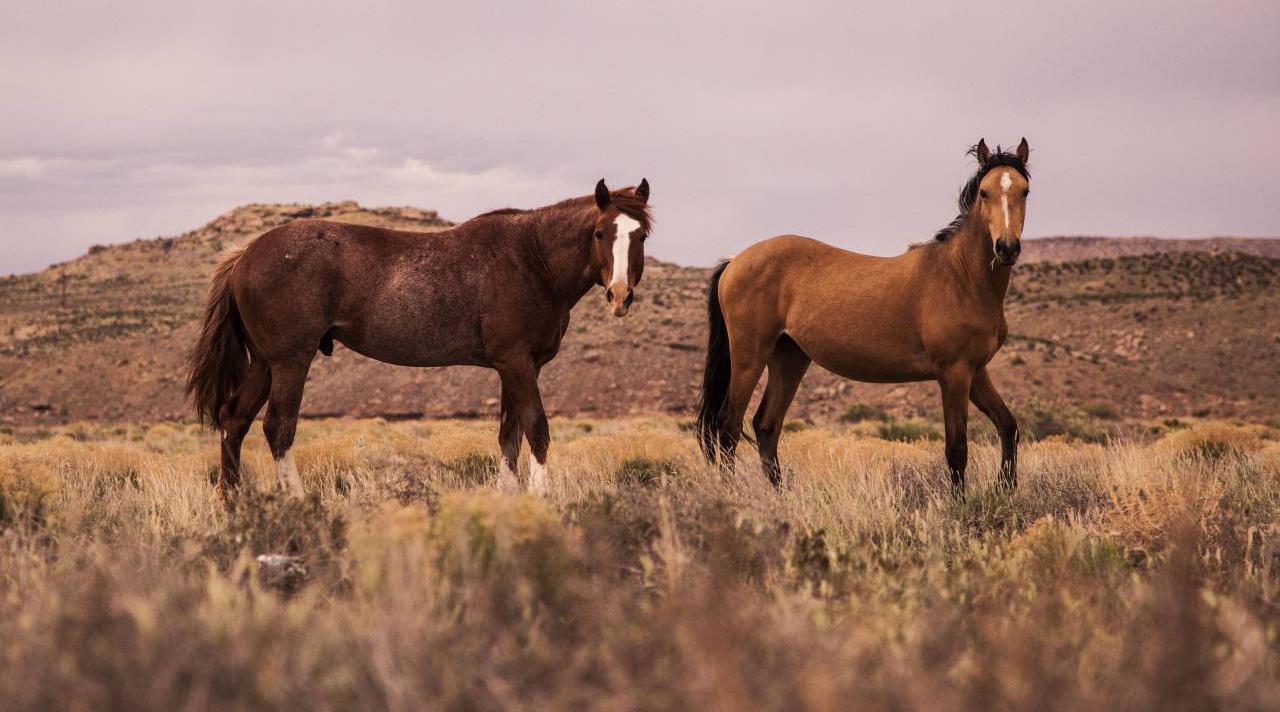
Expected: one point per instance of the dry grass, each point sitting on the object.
(1123, 575)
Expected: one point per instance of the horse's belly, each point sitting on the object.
(870, 360)
(874, 369)
(416, 344)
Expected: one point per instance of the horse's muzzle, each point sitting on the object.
(1007, 250)
(619, 306)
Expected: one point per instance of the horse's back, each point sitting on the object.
(392, 295)
(799, 254)
(854, 314)
(786, 267)
(318, 264)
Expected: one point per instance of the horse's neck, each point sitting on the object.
(975, 259)
(562, 248)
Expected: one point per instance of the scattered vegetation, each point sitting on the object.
(645, 472)
(1040, 420)
(1126, 574)
(908, 430)
(858, 412)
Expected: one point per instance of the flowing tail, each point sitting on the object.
(217, 364)
(715, 377)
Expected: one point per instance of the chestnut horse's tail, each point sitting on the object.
(217, 364)
(715, 377)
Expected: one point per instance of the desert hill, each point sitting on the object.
(1064, 249)
(1148, 326)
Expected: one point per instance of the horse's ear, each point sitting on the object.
(1024, 151)
(642, 190)
(981, 152)
(602, 195)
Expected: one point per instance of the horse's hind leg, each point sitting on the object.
(747, 365)
(787, 367)
(287, 381)
(509, 437)
(237, 417)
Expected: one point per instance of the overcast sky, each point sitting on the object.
(844, 121)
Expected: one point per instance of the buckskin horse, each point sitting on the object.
(495, 291)
(935, 312)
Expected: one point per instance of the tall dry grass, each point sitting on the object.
(1129, 575)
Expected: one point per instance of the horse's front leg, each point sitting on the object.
(987, 398)
(523, 415)
(956, 382)
(509, 436)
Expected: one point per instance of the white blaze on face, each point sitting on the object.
(1006, 181)
(621, 253)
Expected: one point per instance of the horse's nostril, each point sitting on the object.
(608, 295)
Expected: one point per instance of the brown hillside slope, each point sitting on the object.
(1176, 332)
(1064, 249)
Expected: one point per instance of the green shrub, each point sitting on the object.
(24, 502)
(274, 523)
(644, 472)
(858, 412)
(1100, 409)
(1040, 420)
(474, 469)
(908, 430)
(989, 509)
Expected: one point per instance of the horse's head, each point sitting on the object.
(1002, 198)
(617, 244)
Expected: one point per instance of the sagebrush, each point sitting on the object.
(1121, 575)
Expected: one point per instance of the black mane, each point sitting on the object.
(969, 192)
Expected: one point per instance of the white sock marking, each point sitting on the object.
(287, 474)
(537, 478)
(507, 481)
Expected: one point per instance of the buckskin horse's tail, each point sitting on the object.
(217, 364)
(715, 377)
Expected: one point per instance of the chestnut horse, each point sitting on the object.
(933, 313)
(494, 291)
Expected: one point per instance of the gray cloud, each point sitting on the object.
(843, 122)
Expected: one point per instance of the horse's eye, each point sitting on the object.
(599, 234)
(983, 193)
(1026, 192)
